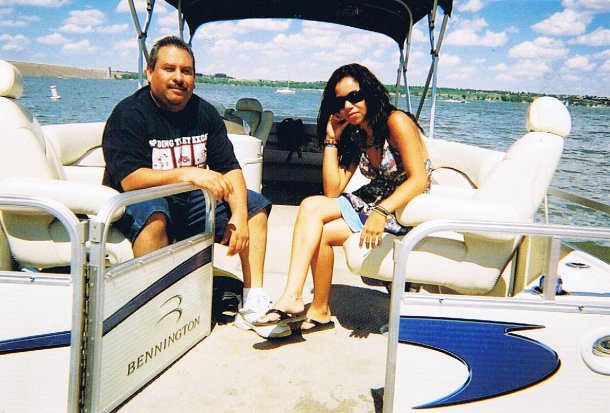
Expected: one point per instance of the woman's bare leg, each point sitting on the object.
(334, 234)
(318, 223)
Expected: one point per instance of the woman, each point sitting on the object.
(364, 130)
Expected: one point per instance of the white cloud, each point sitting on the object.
(605, 68)
(92, 17)
(472, 6)
(76, 28)
(115, 28)
(18, 42)
(470, 33)
(564, 23)
(54, 38)
(524, 70)
(84, 46)
(12, 23)
(123, 7)
(541, 48)
(272, 25)
(450, 60)
(595, 6)
(599, 37)
(126, 48)
(218, 30)
(461, 73)
(603, 55)
(501, 67)
(18, 21)
(418, 35)
(167, 20)
(83, 21)
(579, 63)
(35, 3)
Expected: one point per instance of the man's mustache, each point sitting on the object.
(178, 85)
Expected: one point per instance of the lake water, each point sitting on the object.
(584, 168)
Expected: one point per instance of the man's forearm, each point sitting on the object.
(238, 200)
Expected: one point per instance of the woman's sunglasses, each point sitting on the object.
(352, 97)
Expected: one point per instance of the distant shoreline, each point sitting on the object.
(37, 69)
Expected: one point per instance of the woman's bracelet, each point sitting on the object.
(330, 145)
(381, 210)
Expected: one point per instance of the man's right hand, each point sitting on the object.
(213, 181)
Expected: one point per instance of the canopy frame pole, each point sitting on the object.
(435, 52)
(142, 34)
(404, 65)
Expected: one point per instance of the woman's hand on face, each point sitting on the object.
(372, 232)
(334, 128)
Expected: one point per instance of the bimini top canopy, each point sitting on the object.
(389, 17)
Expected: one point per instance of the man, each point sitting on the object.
(163, 134)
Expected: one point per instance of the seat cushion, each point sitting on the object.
(11, 82)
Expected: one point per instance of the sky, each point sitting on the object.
(540, 46)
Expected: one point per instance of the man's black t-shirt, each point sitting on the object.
(139, 134)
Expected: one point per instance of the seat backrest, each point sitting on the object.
(78, 148)
(24, 150)
(250, 110)
(523, 176)
(260, 121)
(24, 153)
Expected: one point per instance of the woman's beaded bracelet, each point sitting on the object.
(330, 145)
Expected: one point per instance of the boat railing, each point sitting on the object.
(403, 247)
(77, 232)
(98, 272)
(579, 200)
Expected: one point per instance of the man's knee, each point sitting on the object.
(156, 223)
(153, 235)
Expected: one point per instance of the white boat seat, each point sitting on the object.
(29, 165)
(259, 120)
(479, 185)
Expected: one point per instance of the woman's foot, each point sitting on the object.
(283, 310)
(314, 320)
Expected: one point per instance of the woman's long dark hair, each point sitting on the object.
(378, 109)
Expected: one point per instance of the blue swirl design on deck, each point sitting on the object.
(62, 338)
(498, 361)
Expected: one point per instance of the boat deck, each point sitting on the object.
(338, 370)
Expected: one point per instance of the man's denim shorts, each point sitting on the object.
(185, 214)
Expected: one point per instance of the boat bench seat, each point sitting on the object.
(474, 184)
(30, 166)
(64, 162)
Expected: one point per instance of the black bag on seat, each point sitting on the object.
(291, 136)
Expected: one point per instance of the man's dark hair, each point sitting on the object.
(168, 41)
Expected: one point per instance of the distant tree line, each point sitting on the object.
(443, 93)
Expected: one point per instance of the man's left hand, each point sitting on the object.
(237, 237)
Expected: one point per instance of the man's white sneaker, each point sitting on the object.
(271, 331)
(256, 306)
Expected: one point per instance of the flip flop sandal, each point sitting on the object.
(285, 318)
(317, 326)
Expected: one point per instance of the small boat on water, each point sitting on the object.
(285, 90)
(54, 94)
(487, 310)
